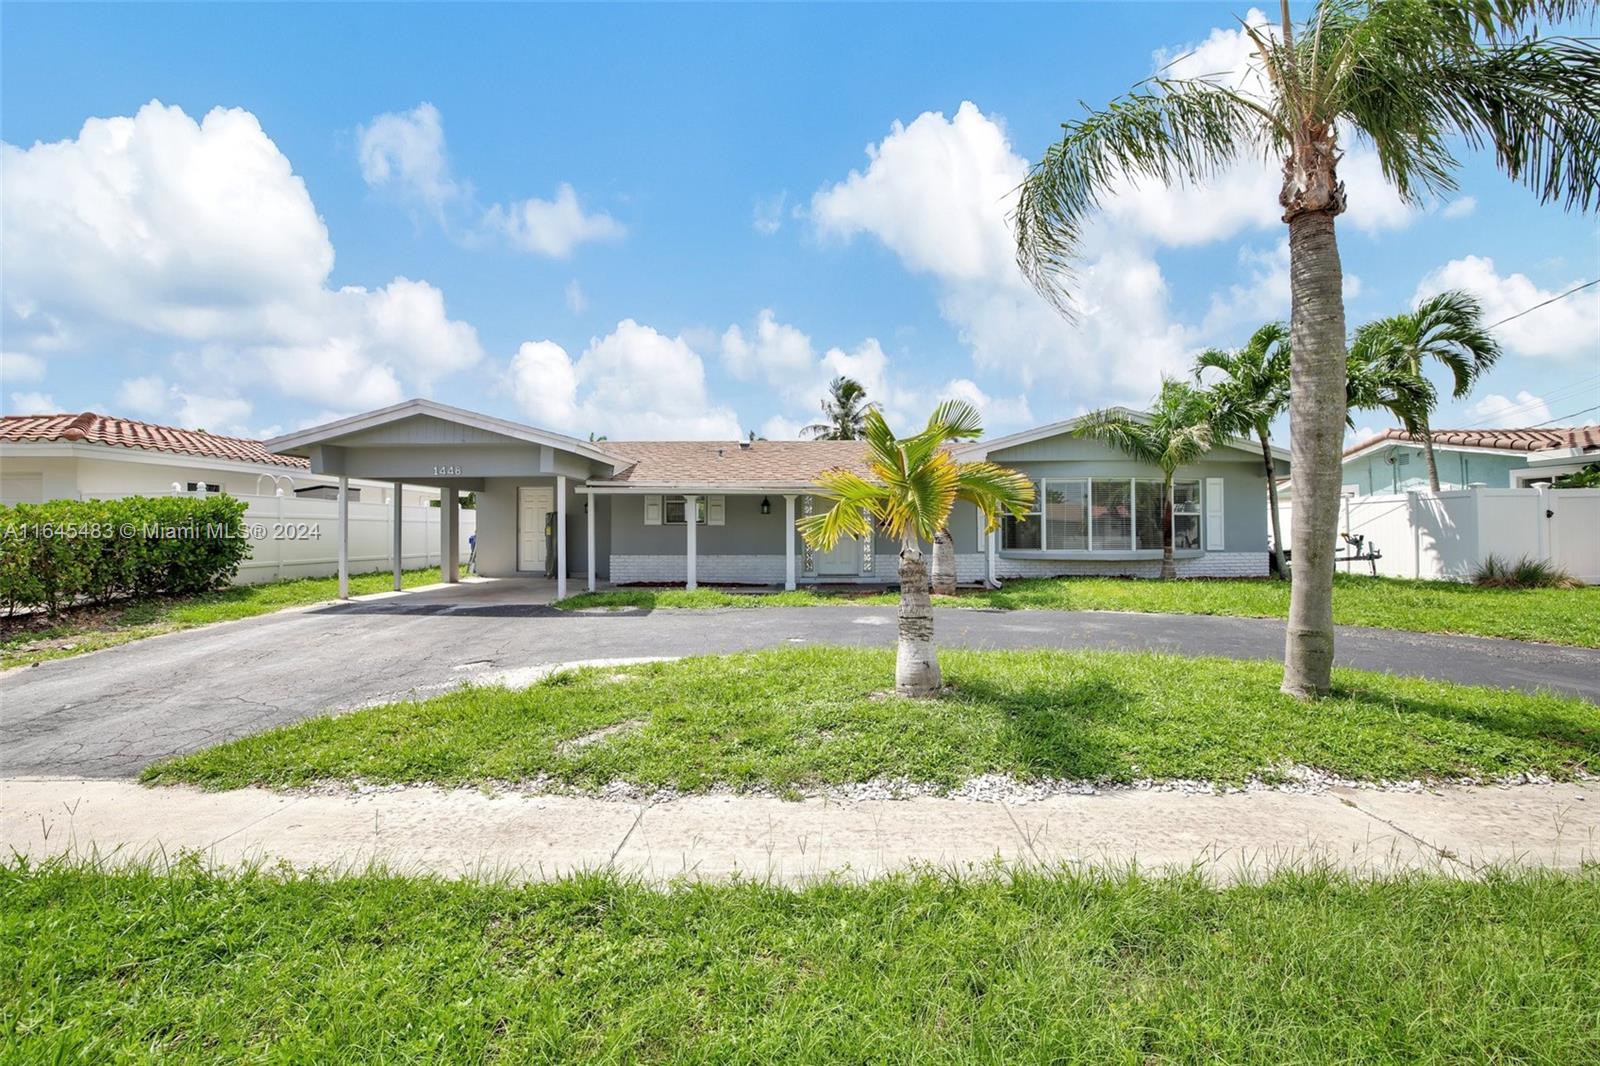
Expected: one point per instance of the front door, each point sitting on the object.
(843, 561)
(532, 505)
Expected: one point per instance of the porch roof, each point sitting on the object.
(753, 465)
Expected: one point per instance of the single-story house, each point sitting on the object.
(88, 456)
(705, 511)
(1393, 461)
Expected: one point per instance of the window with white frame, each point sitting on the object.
(674, 511)
(1104, 515)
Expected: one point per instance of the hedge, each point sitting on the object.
(65, 552)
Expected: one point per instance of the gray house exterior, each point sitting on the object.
(692, 512)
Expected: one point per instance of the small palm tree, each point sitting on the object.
(1387, 385)
(844, 412)
(916, 484)
(1446, 329)
(1176, 432)
(1252, 393)
(1414, 78)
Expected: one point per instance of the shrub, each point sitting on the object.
(55, 554)
(1587, 478)
(1495, 573)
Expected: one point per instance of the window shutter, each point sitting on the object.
(1214, 540)
(652, 510)
(716, 510)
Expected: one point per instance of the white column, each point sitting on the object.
(588, 508)
(690, 518)
(397, 517)
(449, 537)
(788, 543)
(561, 536)
(988, 556)
(344, 537)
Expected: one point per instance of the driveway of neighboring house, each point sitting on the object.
(109, 714)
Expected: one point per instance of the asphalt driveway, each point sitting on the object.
(109, 714)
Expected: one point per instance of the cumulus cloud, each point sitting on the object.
(201, 236)
(772, 352)
(1460, 207)
(32, 403)
(214, 410)
(1566, 329)
(20, 366)
(1503, 412)
(634, 383)
(405, 151)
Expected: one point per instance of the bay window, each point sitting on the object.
(1104, 515)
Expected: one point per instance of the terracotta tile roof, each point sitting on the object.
(1542, 439)
(91, 428)
(769, 462)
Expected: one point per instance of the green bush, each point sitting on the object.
(56, 554)
(1495, 573)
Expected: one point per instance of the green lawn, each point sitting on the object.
(1558, 616)
(1309, 967)
(90, 629)
(804, 717)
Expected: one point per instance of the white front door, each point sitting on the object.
(532, 506)
(843, 561)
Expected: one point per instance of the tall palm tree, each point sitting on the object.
(1446, 329)
(1176, 432)
(916, 483)
(1252, 393)
(844, 411)
(1408, 76)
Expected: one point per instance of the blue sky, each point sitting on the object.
(662, 221)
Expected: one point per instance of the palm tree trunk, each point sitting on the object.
(1272, 503)
(1316, 418)
(944, 563)
(916, 664)
(1427, 452)
(1169, 569)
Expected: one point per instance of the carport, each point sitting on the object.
(519, 474)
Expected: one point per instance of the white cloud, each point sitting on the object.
(633, 383)
(1500, 412)
(1360, 436)
(143, 396)
(1566, 329)
(20, 366)
(214, 410)
(576, 300)
(200, 235)
(780, 428)
(774, 352)
(767, 216)
(1460, 207)
(406, 150)
(551, 227)
(33, 403)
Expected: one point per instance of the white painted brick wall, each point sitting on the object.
(1211, 564)
(709, 569)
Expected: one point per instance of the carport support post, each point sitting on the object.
(561, 536)
(691, 520)
(788, 543)
(449, 537)
(344, 537)
(398, 523)
(588, 510)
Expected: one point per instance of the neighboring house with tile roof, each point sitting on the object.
(89, 455)
(682, 512)
(1393, 461)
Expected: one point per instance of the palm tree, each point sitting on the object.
(1386, 385)
(844, 411)
(1252, 393)
(917, 482)
(1177, 431)
(1408, 76)
(1447, 329)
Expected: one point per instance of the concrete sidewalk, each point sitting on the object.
(1453, 830)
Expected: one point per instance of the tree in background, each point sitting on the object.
(844, 412)
(1177, 431)
(1252, 392)
(1414, 78)
(916, 483)
(1445, 329)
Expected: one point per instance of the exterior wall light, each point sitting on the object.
(766, 505)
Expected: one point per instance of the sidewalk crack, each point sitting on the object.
(1443, 853)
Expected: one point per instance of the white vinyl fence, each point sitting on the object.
(293, 536)
(1445, 535)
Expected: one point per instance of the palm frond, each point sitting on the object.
(957, 420)
(850, 498)
(1116, 429)
(994, 490)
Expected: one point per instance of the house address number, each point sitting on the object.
(447, 471)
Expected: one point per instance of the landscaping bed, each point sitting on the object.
(797, 720)
(1554, 615)
(183, 965)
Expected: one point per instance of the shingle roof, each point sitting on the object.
(127, 433)
(762, 462)
(1585, 438)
